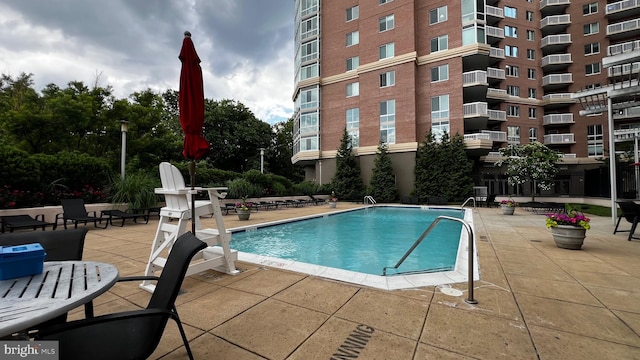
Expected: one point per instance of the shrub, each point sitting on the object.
(136, 190)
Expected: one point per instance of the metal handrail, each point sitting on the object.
(470, 299)
(370, 198)
(466, 201)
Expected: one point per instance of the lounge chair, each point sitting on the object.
(12, 222)
(123, 215)
(75, 211)
(490, 201)
(132, 334)
(631, 213)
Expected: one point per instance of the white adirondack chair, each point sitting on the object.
(217, 256)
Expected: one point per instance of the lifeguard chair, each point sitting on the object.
(217, 255)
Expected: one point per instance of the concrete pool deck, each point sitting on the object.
(535, 301)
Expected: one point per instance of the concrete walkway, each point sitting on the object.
(536, 301)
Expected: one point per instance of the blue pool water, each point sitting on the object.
(365, 240)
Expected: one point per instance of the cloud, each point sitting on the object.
(246, 46)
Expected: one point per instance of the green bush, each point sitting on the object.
(239, 188)
(136, 190)
(18, 169)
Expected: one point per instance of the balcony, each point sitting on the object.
(555, 62)
(626, 135)
(554, 24)
(474, 78)
(556, 81)
(559, 139)
(558, 119)
(499, 136)
(624, 29)
(493, 14)
(627, 113)
(495, 55)
(497, 115)
(494, 34)
(495, 74)
(622, 48)
(551, 101)
(497, 94)
(623, 9)
(553, 7)
(475, 109)
(625, 69)
(555, 43)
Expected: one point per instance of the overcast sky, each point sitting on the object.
(246, 46)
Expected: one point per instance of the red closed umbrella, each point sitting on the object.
(191, 106)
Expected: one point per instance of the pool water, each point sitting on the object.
(365, 240)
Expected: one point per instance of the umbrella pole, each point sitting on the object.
(192, 173)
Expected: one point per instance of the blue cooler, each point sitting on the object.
(21, 260)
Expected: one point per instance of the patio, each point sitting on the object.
(536, 301)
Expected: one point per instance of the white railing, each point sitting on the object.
(559, 139)
(623, 47)
(556, 39)
(558, 96)
(556, 59)
(494, 11)
(624, 69)
(496, 52)
(554, 119)
(622, 6)
(555, 20)
(545, 3)
(623, 27)
(475, 109)
(495, 32)
(474, 77)
(557, 79)
(496, 73)
(498, 115)
(492, 92)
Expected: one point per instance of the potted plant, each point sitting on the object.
(333, 200)
(508, 206)
(243, 209)
(568, 230)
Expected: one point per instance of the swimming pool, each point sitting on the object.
(355, 245)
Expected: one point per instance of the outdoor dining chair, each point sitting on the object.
(74, 210)
(631, 213)
(132, 334)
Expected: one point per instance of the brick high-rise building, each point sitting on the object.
(498, 71)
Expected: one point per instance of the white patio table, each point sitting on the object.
(62, 286)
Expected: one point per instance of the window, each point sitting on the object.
(533, 134)
(532, 113)
(309, 123)
(591, 69)
(589, 9)
(353, 126)
(388, 79)
(510, 12)
(353, 38)
(309, 71)
(513, 135)
(510, 31)
(440, 107)
(308, 6)
(531, 35)
(513, 111)
(440, 43)
(511, 70)
(513, 90)
(592, 28)
(438, 15)
(308, 143)
(531, 54)
(353, 63)
(593, 48)
(440, 73)
(531, 74)
(309, 28)
(531, 93)
(511, 51)
(386, 23)
(473, 34)
(438, 128)
(309, 98)
(353, 89)
(595, 140)
(386, 51)
(380, 2)
(388, 121)
(353, 13)
(529, 16)
(309, 51)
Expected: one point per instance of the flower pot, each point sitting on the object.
(568, 237)
(332, 204)
(243, 214)
(508, 210)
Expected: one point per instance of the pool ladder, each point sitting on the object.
(370, 199)
(466, 201)
(469, 299)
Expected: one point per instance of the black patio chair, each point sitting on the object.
(131, 334)
(631, 213)
(59, 246)
(13, 222)
(123, 215)
(74, 210)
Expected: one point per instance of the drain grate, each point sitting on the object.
(483, 238)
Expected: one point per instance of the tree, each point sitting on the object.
(383, 183)
(278, 154)
(347, 182)
(533, 162)
(428, 170)
(459, 184)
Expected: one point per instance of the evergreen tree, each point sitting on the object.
(427, 170)
(383, 183)
(460, 183)
(347, 182)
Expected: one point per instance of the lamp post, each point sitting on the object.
(262, 160)
(124, 127)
